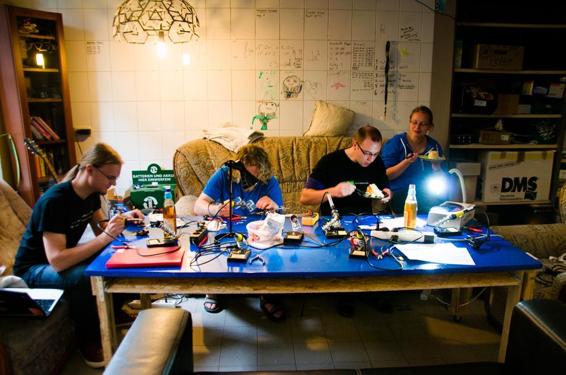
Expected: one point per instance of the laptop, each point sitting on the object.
(27, 302)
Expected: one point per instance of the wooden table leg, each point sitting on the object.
(513, 296)
(528, 285)
(106, 316)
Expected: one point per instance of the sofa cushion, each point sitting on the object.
(330, 120)
(14, 215)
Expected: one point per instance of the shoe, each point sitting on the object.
(273, 310)
(92, 354)
(211, 304)
(345, 309)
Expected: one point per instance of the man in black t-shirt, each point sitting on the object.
(345, 174)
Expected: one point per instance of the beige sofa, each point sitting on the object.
(293, 158)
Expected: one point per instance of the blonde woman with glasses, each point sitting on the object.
(410, 158)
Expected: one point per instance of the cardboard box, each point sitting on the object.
(493, 56)
(516, 175)
(494, 137)
(507, 104)
(149, 186)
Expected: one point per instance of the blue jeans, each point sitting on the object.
(77, 290)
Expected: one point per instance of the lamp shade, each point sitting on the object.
(140, 21)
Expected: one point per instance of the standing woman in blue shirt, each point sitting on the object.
(400, 155)
(254, 183)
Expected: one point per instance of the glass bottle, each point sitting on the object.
(169, 215)
(410, 212)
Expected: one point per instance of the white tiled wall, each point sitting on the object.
(145, 106)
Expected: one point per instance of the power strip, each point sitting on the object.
(403, 236)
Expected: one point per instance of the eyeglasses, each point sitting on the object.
(420, 123)
(108, 177)
(367, 153)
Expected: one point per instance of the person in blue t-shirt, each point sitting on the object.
(50, 255)
(253, 187)
(408, 158)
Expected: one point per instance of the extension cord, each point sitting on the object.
(403, 236)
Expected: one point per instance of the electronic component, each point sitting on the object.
(293, 237)
(156, 242)
(358, 245)
(309, 219)
(199, 234)
(239, 255)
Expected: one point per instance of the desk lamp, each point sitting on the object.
(450, 214)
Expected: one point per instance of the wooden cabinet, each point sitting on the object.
(35, 96)
(509, 74)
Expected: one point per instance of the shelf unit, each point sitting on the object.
(35, 90)
(520, 94)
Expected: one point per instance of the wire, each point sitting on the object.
(471, 300)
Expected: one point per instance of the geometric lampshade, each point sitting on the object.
(140, 21)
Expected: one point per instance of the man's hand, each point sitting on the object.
(134, 216)
(388, 194)
(115, 225)
(343, 189)
(266, 203)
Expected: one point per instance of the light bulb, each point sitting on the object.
(161, 48)
(39, 60)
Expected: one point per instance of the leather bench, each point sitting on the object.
(160, 342)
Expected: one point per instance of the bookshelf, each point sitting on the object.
(35, 96)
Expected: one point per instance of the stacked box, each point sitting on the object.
(516, 175)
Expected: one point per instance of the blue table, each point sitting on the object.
(310, 269)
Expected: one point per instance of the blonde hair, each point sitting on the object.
(100, 154)
(252, 155)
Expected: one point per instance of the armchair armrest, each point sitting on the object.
(537, 338)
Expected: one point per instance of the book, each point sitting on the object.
(40, 128)
(35, 132)
(49, 129)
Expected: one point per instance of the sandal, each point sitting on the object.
(211, 304)
(273, 310)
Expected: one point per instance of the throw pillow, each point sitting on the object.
(329, 120)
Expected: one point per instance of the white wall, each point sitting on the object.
(145, 106)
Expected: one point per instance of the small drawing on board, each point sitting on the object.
(292, 86)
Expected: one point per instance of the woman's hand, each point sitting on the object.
(411, 158)
(266, 203)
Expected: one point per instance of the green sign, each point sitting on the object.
(149, 186)
(154, 175)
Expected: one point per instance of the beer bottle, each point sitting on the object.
(169, 216)
(410, 212)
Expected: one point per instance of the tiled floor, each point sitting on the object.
(314, 336)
